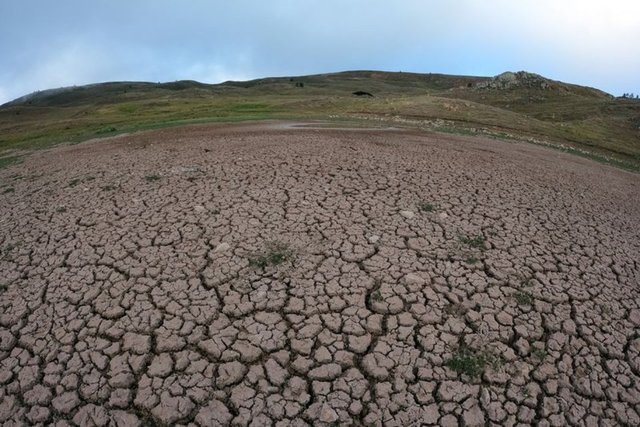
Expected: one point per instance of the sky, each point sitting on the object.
(46, 44)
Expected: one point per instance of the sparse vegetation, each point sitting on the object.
(152, 178)
(74, 182)
(523, 298)
(471, 260)
(537, 352)
(471, 362)
(6, 161)
(109, 129)
(8, 190)
(475, 241)
(376, 295)
(276, 253)
(108, 187)
(576, 119)
(61, 209)
(425, 206)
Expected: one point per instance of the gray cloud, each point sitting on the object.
(48, 44)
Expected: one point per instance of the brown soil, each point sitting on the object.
(272, 275)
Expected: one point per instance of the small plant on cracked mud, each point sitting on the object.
(474, 242)
(471, 362)
(275, 254)
(523, 298)
(425, 207)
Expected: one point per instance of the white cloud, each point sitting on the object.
(585, 41)
(239, 68)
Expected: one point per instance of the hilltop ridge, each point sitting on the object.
(520, 105)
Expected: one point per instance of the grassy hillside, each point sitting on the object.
(512, 105)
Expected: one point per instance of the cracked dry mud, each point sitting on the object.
(428, 279)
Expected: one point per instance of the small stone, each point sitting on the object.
(408, 214)
(373, 239)
(222, 247)
(328, 414)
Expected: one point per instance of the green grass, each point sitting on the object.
(152, 178)
(7, 161)
(474, 241)
(275, 254)
(109, 129)
(74, 182)
(8, 190)
(376, 295)
(523, 298)
(577, 120)
(537, 352)
(471, 362)
(425, 207)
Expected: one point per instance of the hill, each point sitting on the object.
(521, 105)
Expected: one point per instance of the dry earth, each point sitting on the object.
(142, 282)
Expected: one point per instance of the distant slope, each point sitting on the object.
(513, 105)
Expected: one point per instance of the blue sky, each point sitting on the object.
(45, 44)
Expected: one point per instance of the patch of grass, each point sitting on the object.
(471, 260)
(376, 295)
(108, 129)
(74, 182)
(470, 362)
(152, 178)
(275, 254)
(523, 298)
(574, 119)
(61, 209)
(475, 241)
(537, 352)
(425, 207)
(6, 161)
(455, 309)
(9, 190)
(108, 187)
